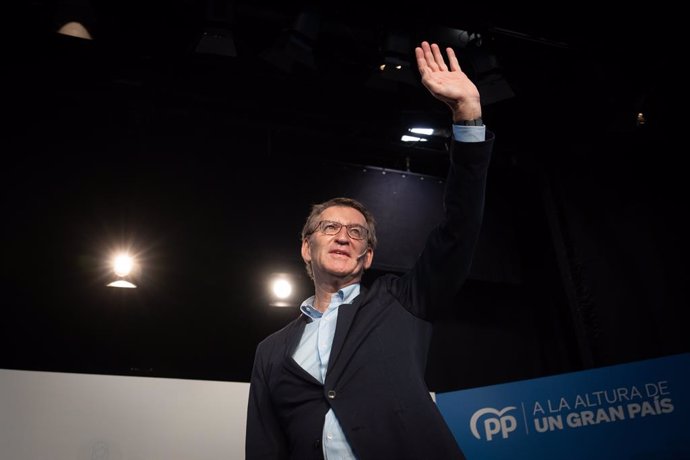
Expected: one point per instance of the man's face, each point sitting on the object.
(338, 256)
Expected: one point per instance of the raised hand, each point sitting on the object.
(448, 83)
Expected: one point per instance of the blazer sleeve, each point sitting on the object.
(264, 437)
(444, 263)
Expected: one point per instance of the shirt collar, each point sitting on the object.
(344, 295)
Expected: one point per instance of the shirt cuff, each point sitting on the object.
(463, 133)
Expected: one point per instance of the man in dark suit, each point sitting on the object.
(345, 380)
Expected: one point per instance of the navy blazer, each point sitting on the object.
(375, 378)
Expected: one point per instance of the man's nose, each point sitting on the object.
(342, 234)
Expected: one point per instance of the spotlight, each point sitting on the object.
(395, 65)
(124, 266)
(284, 290)
(74, 18)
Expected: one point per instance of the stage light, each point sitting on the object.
(422, 131)
(284, 289)
(74, 18)
(395, 65)
(281, 288)
(75, 29)
(123, 266)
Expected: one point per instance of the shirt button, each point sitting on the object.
(329, 435)
(331, 394)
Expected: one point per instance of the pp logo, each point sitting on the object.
(494, 423)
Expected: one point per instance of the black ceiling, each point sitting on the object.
(565, 63)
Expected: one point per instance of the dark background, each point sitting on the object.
(205, 161)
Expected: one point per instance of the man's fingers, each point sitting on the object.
(429, 55)
(438, 57)
(421, 61)
(452, 60)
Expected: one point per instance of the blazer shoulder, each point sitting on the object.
(381, 283)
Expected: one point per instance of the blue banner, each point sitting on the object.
(631, 411)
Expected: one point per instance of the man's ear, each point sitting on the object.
(368, 258)
(306, 250)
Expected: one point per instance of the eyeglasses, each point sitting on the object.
(355, 231)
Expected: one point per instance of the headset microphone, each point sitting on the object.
(362, 254)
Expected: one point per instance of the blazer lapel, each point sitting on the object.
(291, 342)
(346, 315)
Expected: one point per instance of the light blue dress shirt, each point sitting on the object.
(314, 349)
(313, 353)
